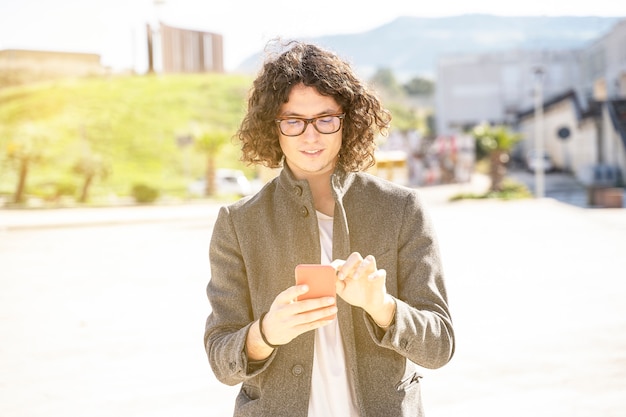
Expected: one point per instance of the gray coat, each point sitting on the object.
(256, 244)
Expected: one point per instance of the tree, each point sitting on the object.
(90, 166)
(209, 143)
(24, 150)
(386, 81)
(404, 117)
(495, 143)
(419, 86)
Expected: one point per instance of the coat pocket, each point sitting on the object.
(410, 382)
(247, 402)
(250, 392)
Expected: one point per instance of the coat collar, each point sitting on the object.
(340, 182)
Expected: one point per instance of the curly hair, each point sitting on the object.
(307, 64)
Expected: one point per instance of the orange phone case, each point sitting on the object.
(319, 278)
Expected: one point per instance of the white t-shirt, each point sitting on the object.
(331, 390)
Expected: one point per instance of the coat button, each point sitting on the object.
(297, 370)
(404, 343)
(298, 190)
(304, 211)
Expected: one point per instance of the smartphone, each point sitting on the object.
(320, 279)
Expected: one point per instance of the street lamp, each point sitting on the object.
(539, 162)
(155, 46)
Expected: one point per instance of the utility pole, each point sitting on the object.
(154, 38)
(150, 49)
(539, 165)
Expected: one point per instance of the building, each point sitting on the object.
(18, 66)
(175, 50)
(603, 65)
(494, 87)
(583, 96)
(595, 149)
(568, 132)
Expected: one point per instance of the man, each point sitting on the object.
(310, 114)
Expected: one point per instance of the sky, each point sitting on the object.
(116, 29)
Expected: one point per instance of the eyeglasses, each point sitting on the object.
(326, 124)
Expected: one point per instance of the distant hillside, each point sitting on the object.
(409, 46)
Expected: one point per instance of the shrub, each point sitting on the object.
(65, 189)
(511, 190)
(143, 193)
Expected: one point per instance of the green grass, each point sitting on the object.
(130, 122)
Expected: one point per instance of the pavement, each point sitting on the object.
(558, 186)
(22, 219)
(101, 309)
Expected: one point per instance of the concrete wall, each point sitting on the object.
(29, 65)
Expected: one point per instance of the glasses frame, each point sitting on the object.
(312, 121)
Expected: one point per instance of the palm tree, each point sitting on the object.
(209, 143)
(90, 167)
(496, 143)
(25, 149)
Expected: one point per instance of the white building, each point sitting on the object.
(494, 87)
(603, 65)
(583, 95)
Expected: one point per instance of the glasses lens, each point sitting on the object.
(292, 127)
(327, 124)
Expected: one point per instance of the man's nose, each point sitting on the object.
(310, 131)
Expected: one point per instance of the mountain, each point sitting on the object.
(410, 46)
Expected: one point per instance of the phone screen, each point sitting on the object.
(320, 279)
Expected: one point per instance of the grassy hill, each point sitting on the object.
(129, 125)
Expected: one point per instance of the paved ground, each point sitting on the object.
(558, 186)
(102, 311)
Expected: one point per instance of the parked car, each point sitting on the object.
(532, 162)
(227, 181)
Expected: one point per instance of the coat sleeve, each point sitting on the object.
(231, 312)
(422, 328)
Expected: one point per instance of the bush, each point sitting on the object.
(511, 190)
(143, 193)
(65, 189)
(52, 190)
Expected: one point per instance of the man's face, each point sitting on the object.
(312, 153)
